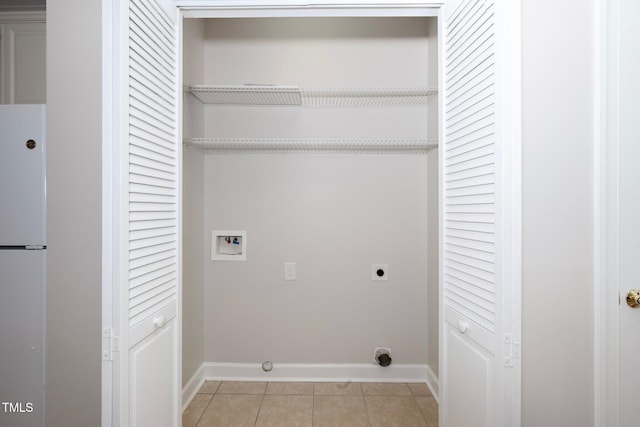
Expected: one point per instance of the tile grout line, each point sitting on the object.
(261, 402)
(208, 403)
(313, 405)
(204, 410)
(420, 410)
(366, 407)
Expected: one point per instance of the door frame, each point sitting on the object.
(113, 231)
(606, 186)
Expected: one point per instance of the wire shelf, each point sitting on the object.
(367, 97)
(311, 97)
(247, 95)
(281, 146)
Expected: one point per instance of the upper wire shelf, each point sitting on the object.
(311, 97)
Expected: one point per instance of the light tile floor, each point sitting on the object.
(238, 404)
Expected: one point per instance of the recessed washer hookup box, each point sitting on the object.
(228, 245)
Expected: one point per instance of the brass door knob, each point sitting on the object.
(633, 298)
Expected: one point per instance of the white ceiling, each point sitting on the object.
(22, 5)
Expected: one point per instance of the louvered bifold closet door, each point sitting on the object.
(468, 163)
(153, 162)
(154, 192)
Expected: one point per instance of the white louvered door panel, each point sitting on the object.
(153, 162)
(153, 215)
(472, 354)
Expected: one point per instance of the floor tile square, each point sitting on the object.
(209, 387)
(231, 410)
(339, 411)
(397, 411)
(290, 388)
(419, 389)
(290, 411)
(385, 389)
(337, 389)
(242, 387)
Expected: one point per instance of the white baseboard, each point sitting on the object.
(433, 384)
(362, 372)
(191, 388)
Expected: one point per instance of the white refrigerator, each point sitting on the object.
(22, 265)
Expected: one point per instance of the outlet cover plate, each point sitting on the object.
(289, 271)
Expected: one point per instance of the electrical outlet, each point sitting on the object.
(379, 271)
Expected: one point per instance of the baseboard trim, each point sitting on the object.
(362, 372)
(433, 384)
(192, 386)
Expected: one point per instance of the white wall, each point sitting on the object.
(296, 122)
(320, 52)
(74, 193)
(558, 49)
(193, 208)
(334, 216)
(324, 50)
(192, 73)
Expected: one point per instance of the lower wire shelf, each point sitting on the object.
(280, 146)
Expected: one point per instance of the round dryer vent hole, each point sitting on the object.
(379, 271)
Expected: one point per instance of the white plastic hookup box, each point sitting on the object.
(228, 245)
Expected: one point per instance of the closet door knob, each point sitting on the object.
(463, 326)
(159, 321)
(633, 298)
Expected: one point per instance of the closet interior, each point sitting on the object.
(316, 138)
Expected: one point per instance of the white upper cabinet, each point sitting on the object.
(22, 59)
